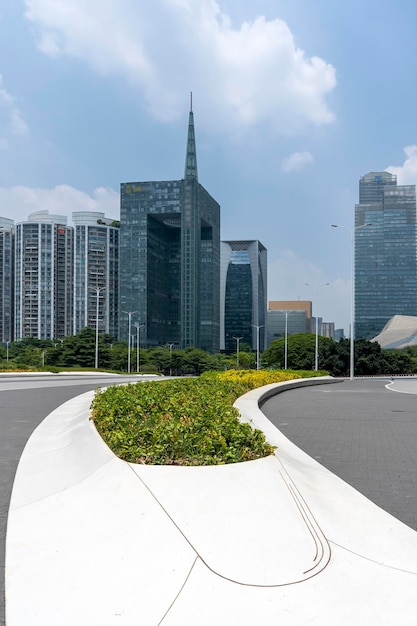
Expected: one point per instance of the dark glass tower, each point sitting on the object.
(243, 289)
(170, 259)
(385, 253)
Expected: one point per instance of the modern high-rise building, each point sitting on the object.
(328, 330)
(285, 322)
(96, 272)
(6, 280)
(385, 239)
(296, 305)
(243, 294)
(170, 259)
(43, 277)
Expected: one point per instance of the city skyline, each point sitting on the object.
(287, 116)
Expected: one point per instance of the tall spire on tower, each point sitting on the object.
(191, 154)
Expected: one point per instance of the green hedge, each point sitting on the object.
(181, 421)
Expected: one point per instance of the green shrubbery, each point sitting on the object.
(183, 421)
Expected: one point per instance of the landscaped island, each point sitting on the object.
(188, 421)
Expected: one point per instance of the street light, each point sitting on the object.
(138, 327)
(316, 351)
(129, 313)
(237, 350)
(286, 342)
(257, 343)
(170, 345)
(352, 298)
(7, 350)
(97, 290)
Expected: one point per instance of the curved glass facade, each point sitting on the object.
(243, 297)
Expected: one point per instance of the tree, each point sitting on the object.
(79, 350)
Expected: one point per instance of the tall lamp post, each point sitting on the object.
(257, 343)
(129, 314)
(138, 327)
(170, 345)
(286, 342)
(237, 350)
(97, 290)
(351, 232)
(316, 351)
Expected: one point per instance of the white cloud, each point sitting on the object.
(407, 172)
(297, 161)
(240, 76)
(11, 119)
(18, 202)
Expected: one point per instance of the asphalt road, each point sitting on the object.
(24, 402)
(364, 431)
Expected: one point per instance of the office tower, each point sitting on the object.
(243, 294)
(385, 239)
(96, 272)
(328, 330)
(6, 280)
(296, 305)
(285, 322)
(170, 259)
(43, 277)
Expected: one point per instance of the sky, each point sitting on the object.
(293, 101)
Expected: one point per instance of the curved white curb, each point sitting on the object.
(95, 541)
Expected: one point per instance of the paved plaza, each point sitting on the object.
(363, 431)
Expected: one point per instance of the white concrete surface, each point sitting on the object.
(95, 541)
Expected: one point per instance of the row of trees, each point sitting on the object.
(334, 356)
(78, 351)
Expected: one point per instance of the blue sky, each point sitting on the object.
(293, 101)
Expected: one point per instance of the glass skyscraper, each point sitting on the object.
(243, 294)
(170, 259)
(385, 252)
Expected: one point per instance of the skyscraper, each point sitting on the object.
(96, 272)
(385, 252)
(43, 277)
(6, 279)
(170, 259)
(243, 294)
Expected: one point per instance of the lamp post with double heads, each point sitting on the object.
(138, 327)
(257, 343)
(97, 290)
(129, 314)
(351, 232)
(237, 350)
(316, 351)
